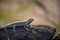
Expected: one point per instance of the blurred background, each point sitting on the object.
(44, 12)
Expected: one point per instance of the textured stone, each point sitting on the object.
(24, 31)
(57, 37)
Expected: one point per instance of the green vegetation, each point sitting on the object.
(5, 1)
(23, 8)
(4, 14)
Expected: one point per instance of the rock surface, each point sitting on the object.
(57, 37)
(27, 32)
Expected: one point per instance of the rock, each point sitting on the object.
(41, 32)
(24, 31)
(3, 34)
(37, 32)
(57, 37)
